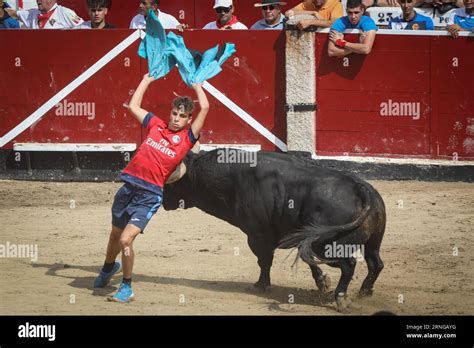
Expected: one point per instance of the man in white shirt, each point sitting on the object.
(225, 17)
(167, 20)
(48, 15)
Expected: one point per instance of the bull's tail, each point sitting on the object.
(311, 236)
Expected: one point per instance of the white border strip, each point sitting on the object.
(245, 116)
(67, 147)
(403, 32)
(245, 147)
(35, 116)
(385, 160)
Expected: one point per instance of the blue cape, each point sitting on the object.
(164, 52)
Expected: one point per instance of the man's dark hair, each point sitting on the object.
(99, 3)
(355, 3)
(185, 104)
(155, 3)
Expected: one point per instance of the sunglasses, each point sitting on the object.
(269, 7)
(223, 9)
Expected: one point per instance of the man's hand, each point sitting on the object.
(453, 30)
(392, 3)
(305, 23)
(147, 78)
(317, 15)
(335, 35)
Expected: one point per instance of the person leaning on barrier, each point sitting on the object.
(97, 11)
(325, 13)
(461, 19)
(48, 15)
(6, 21)
(410, 19)
(272, 16)
(338, 47)
(167, 20)
(225, 17)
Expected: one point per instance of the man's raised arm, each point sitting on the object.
(198, 123)
(136, 101)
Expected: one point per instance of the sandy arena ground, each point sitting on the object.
(186, 263)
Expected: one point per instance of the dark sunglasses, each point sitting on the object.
(269, 7)
(223, 9)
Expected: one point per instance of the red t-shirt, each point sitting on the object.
(158, 156)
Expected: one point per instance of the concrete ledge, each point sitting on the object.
(365, 168)
(400, 169)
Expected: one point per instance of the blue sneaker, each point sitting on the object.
(103, 278)
(124, 294)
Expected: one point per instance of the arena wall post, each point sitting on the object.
(301, 90)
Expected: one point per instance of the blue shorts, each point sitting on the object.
(134, 205)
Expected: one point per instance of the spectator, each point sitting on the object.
(167, 20)
(325, 13)
(461, 19)
(48, 15)
(225, 17)
(442, 6)
(97, 11)
(410, 19)
(355, 19)
(7, 22)
(272, 17)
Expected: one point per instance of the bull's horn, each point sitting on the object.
(177, 174)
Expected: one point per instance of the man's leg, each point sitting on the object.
(110, 266)
(126, 244)
(125, 293)
(113, 248)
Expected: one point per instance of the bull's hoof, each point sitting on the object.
(365, 293)
(323, 283)
(260, 287)
(343, 303)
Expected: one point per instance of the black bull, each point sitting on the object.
(285, 202)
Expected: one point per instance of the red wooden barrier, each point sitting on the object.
(401, 72)
(252, 79)
(432, 72)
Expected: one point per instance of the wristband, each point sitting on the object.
(341, 43)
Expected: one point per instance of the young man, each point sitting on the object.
(325, 13)
(98, 9)
(140, 197)
(338, 47)
(410, 19)
(48, 15)
(461, 19)
(272, 16)
(167, 20)
(225, 17)
(7, 22)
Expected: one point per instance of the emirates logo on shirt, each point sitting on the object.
(161, 146)
(176, 139)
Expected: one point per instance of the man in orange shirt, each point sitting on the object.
(325, 13)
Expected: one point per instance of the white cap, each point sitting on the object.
(223, 3)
